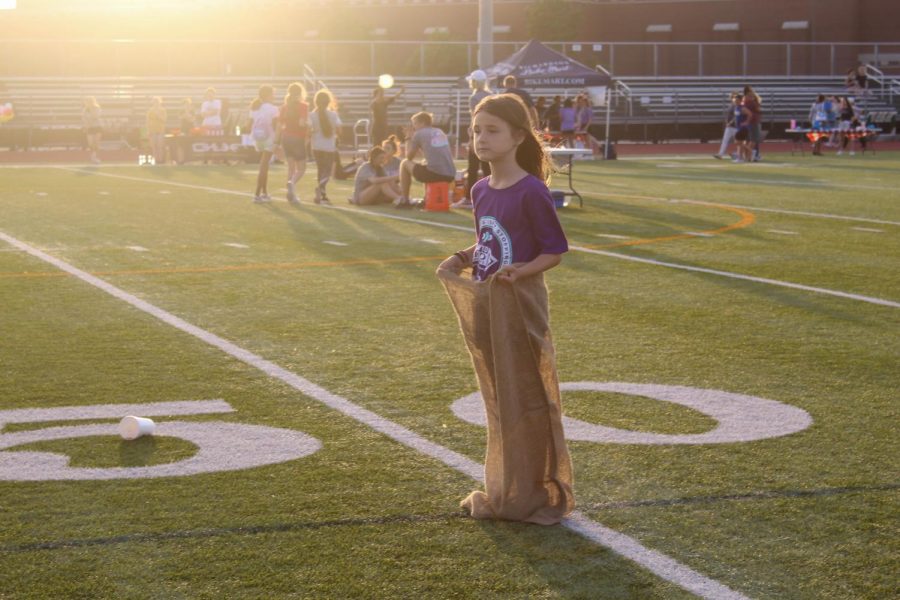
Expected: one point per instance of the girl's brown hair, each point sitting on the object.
(323, 101)
(530, 155)
(266, 93)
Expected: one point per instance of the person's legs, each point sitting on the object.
(727, 138)
(262, 177)
(406, 176)
(389, 190)
(324, 166)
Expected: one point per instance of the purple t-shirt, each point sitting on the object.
(514, 225)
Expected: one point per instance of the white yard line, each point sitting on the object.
(867, 229)
(787, 284)
(659, 564)
(468, 229)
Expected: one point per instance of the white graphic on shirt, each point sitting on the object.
(439, 139)
(493, 238)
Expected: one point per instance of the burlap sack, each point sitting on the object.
(528, 472)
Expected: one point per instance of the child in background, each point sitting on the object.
(528, 472)
(90, 118)
(294, 118)
(567, 116)
(373, 184)
(156, 130)
(324, 124)
(391, 147)
(264, 115)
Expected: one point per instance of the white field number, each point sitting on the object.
(221, 446)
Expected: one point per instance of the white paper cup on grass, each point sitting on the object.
(131, 428)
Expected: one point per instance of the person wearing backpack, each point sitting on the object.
(264, 116)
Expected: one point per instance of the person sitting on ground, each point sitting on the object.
(373, 184)
(391, 147)
(438, 165)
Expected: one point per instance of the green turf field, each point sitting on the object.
(326, 326)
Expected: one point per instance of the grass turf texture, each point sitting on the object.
(811, 515)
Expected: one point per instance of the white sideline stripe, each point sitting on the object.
(136, 248)
(661, 565)
(572, 247)
(782, 231)
(868, 229)
(787, 284)
(334, 243)
(235, 245)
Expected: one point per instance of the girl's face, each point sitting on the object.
(494, 137)
(380, 160)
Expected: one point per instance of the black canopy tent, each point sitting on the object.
(536, 66)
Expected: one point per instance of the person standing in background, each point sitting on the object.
(753, 102)
(156, 130)
(294, 123)
(379, 106)
(264, 114)
(211, 113)
(324, 125)
(93, 129)
(730, 128)
(478, 82)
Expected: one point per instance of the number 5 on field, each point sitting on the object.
(221, 446)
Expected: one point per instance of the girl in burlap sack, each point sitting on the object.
(503, 314)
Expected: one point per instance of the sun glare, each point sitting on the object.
(7, 4)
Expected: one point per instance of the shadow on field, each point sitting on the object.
(814, 302)
(570, 565)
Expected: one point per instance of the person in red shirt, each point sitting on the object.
(293, 119)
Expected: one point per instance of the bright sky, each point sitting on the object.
(7, 4)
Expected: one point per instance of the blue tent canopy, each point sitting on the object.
(537, 66)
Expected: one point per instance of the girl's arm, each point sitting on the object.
(516, 271)
(458, 261)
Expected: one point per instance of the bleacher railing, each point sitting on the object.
(172, 58)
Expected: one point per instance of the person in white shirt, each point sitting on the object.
(211, 112)
(324, 125)
(264, 114)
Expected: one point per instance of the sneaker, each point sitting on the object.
(738, 160)
(852, 153)
(291, 196)
(719, 156)
(321, 198)
(840, 152)
(258, 199)
(402, 202)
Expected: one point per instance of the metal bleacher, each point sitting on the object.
(48, 110)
